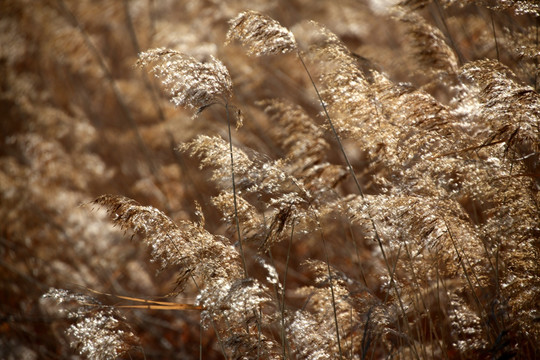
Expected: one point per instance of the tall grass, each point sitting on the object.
(378, 197)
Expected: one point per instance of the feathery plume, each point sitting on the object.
(261, 34)
(430, 47)
(184, 244)
(99, 331)
(191, 83)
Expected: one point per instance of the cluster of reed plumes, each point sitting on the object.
(362, 183)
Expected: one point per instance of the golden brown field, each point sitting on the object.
(269, 179)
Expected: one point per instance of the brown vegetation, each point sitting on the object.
(358, 180)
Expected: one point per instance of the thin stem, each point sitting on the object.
(536, 57)
(440, 10)
(334, 307)
(461, 261)
(356, 250)
(319, 228)
(135, 43)
(234, 193)
(283, 335)
(494, 35)
(98, 55)
(351, 170)
(338, 139)
(212, 322)
(200, 340)
(419, 298)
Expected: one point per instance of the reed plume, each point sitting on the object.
(379, 201)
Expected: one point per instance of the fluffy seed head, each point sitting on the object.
(261, 34)
(191, 83)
